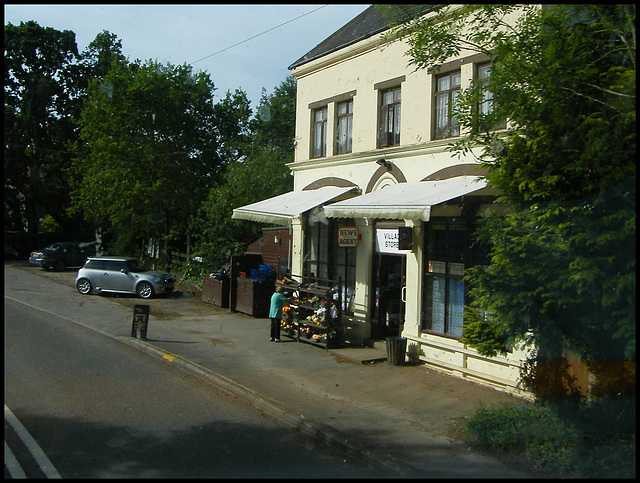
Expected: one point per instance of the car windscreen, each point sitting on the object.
(136, 266)
(54, 247)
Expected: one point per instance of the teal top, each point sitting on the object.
(277, 299)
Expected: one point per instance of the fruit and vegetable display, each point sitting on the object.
(309, 317)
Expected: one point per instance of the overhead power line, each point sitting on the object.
(258, 35)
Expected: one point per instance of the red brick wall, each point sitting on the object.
(271, 251)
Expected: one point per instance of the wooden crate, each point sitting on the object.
(216, 291)
(253, 297)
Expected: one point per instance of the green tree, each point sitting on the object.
(260, 173)
(233, 115)
(103, 51)
(562, 271)
(274, 124)
(148, 152)
(39, 99)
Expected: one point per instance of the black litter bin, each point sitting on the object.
(396, 350)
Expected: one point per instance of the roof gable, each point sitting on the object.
(367, 24)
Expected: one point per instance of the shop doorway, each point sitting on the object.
(389, 301)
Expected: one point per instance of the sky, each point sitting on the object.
(248, 47)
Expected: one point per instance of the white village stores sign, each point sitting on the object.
(388, 241)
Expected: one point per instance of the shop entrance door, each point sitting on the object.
(389, 279)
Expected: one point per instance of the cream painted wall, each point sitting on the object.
(359, 67)
(321, 81)
(297, 246)
(414, 271)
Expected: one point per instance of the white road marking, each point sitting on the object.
(45, 464)
(10, 461)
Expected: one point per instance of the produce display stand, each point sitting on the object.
(314, 314)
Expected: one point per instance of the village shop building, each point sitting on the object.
(379, 203)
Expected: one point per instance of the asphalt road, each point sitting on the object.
(98, 408)
(395, 418)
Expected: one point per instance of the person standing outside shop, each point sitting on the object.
(275, 313)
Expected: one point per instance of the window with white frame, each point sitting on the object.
(389, 122)
(447, 92)
(487, 102)
(485, 106)
(344, 134)
(319, 146)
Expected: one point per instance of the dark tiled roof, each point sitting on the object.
(367, 24)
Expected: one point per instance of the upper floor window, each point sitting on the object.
(447, 91)
(486, 98)
(487, 103)
(344, 135)
(319, 132)
(389, 128)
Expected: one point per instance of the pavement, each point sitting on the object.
(399, 419)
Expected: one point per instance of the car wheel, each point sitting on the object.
(84, 286)
(60, 266)
(144, 290)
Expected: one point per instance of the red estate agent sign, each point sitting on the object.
(348, 236)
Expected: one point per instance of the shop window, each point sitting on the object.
(446, 246)
(344, 135)
(317, 253)
(444, 298)
(389, 121)
(325, 259)
(447, 92)
(284, 267)
(450, 248)
(447, 239)
(319, 146)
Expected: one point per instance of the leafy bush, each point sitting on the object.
(579, 440)
(517, 428)
(194, 272)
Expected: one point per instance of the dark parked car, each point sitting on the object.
(61, 255)
(122, 275)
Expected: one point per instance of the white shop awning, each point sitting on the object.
(283, 208)
(405, 201)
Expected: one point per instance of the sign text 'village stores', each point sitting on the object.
(389, 241)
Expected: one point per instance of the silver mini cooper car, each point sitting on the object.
(122, 275)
